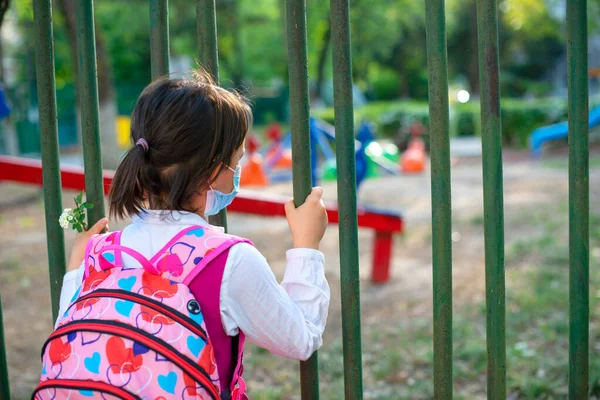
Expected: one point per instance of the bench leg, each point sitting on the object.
(382, 254)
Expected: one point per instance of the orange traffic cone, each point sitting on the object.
(253, 173)
(279, 157)
(413, 159)
(285, 161)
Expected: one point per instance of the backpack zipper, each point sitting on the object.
(175, 315)
(158, 345)
(84, 385)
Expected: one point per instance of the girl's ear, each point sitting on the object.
(214, 175)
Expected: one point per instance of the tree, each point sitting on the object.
(4, 4)
(322, 61)
(111, 154)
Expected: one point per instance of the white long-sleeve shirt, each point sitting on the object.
(287, 319)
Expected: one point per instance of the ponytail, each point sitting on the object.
(184, 131)
(126, 193)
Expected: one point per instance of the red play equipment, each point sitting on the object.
(384, 223)
(277, 156)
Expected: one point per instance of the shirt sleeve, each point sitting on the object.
(287, 319)
(71, 282)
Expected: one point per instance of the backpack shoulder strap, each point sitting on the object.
(222, 245)
(188, 253)
(206, 288)
(97, 260)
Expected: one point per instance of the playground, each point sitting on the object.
(397, 315)
(457, 144)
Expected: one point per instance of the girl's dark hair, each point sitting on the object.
(193, 128)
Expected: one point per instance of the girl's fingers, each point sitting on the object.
(289, 207)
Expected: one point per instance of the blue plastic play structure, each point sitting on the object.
(557, 131)
(322, 135)
(4, 107)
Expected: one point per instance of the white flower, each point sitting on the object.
(65, 218)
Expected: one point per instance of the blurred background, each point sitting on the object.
(389, 63)
(390, 95)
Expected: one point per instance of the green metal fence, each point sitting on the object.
(440, 172)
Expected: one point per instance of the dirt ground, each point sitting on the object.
(527, 186)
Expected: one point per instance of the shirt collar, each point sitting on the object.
(169, 217)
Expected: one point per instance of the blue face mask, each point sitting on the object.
(216, 201)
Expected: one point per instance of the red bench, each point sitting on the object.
(384, 223)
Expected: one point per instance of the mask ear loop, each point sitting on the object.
(231, 169)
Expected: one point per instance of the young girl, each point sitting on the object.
(139, 306)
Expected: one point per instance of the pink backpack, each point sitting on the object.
(139, 333)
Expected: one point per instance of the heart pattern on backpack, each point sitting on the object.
(136, 330)
(122, 358)
(59, 351)
(93, 363)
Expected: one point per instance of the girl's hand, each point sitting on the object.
(309, 221)
(81, 241)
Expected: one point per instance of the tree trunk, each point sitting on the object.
(322, 61)
(4, 4)
(111, 154)
(473, 67)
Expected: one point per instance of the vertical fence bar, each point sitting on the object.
(346, 187)
(206, 17)
(159, 37)
(493, 196)
(4, 379)
(441, 204)
(579, 197)
(90, 120)
(206, 23)
(238, 44)
(301, 164)
(44, 55)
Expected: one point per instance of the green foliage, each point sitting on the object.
(519, 117)
(388, 46)
(76, 216)
(125, 27)
(24, 10)
(388, 117)
(385, 84)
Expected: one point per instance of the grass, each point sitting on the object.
(398, 355)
